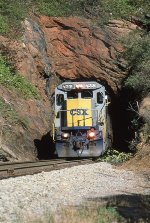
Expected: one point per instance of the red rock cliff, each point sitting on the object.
(78, 49)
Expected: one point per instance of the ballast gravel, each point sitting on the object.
(27, 197)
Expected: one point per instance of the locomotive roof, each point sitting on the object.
(79, 85)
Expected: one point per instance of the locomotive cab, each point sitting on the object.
(80, 119)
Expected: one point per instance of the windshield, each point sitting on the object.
(72, 94)
(87, 94)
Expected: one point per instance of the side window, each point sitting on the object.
(99, 98)
(59, 99)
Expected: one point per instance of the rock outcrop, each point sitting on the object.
(79, 50)
(29, 57)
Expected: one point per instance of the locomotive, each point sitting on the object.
(80, 124)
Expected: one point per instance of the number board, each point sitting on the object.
(67, 86)
(79, 85)
(90, 86)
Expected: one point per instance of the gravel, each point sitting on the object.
(26, 197)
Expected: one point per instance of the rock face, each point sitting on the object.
(17, 141)
(29, 56)
(78, 50)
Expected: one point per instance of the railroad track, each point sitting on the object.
(28, 168)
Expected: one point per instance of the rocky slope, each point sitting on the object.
(30, 59)
(52, 49)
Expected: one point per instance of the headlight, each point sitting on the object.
(65, 135)
(91, 133)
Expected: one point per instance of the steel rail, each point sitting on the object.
(29, 168)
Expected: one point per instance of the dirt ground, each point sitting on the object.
(141, 160)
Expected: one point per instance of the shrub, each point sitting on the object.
(115, 157)
(4, 27)
(15, 10)
(118, 8)
(138, 56)
(15, 81)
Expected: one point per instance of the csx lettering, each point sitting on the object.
(78, 112)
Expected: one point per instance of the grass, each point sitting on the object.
(12, 13)
(99, 8)
(10, 115)
(4, 27)
(90, 215)
(56, 8)
(79, 215)
(11, 80)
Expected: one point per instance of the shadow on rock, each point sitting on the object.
(45, 147)
(134, 207)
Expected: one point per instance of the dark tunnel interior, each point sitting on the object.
(125, 120)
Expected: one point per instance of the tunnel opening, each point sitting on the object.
(120, 117)
(125, 120)
(120, 122)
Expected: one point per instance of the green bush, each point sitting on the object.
(4, 27)
(138, 56)
(118, 8)
(15, 81)
(108, 215)
(15, 10)
(115, 157)
(142, 7)
(9, 113)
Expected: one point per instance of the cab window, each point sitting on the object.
(100, 98)
(86, 94)
(72, 94)
(59, 99)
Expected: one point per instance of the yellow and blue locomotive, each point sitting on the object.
(80, 126)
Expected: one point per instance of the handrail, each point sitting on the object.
(78, 121)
